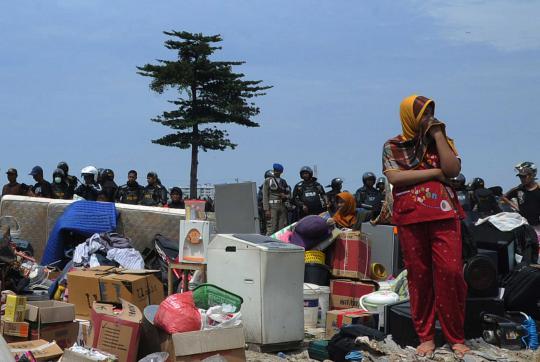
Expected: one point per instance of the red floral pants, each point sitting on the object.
(432, 255)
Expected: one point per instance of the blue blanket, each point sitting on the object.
(85, 218)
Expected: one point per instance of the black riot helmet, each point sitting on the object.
(63, 166)
(458, 182)
(368, 175)
(268, 173)
(336, 183)
(107, 175)
(306, 169)
(381, 181)
(477, 183)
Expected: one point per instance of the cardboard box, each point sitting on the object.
(352, 255)
(335, 319)
(193, 346)
(345, 294)
(15, 308)
(229, 343)
(117, 332)
(41, 349)
(64, 333)
(49, 311)
(106, 284)
(15, 329)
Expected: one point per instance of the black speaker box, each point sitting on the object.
(481, 274)
(399, 324)
(506, 254)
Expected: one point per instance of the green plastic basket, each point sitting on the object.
(209, 295)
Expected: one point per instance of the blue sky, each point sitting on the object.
(69, 88)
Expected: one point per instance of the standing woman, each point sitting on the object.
(426, 210)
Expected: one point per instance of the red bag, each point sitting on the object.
(178, 314)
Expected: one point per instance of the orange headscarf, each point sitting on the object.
(411, 111)
(346, 215)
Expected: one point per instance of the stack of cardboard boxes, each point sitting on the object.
(108, 304)
(351, 266)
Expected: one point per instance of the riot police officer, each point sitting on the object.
(177, 201)
(367, 196)
(60, 187)
(108, 185)
(276, 192)
(336, 185)
(308, 194)
(89, 189)
(131, 192)
(154, 194)
(72, 181)
(459, 185)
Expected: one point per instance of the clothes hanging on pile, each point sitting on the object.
(104, 248)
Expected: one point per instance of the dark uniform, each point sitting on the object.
(62, 191)
(42, 189)
(310, 194)
(89, 192)
(176, 205)
(154, 195)
(130, 194)
(369, 198)
(331, 195)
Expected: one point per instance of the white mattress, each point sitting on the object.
(37, 217)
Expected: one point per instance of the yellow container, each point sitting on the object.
(314, 257)
(15, 308)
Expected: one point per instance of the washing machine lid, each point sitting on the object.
(267, 243)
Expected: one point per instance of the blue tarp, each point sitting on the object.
(83, 217)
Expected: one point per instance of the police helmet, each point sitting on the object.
(306, 169)
(176, 190)
(368, 175)
(336, 183)
(59, 173)
(63, 166)
(381, 180)
(107, 174)
(526, 168)
(268, 173)
(477, 183)
(90, 170)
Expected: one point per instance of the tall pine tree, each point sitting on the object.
(210, 93)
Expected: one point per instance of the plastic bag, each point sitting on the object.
(220, 316)
(156, 357)
(178, 314)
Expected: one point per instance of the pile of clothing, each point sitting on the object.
(108, 249)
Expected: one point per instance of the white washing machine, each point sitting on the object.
(269, 276)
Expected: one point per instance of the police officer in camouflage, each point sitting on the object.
(276, 193)
(131, 192)
(260, 208)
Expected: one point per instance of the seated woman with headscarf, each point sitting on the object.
(347, 215)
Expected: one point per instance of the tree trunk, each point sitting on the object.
(194, 167)
(194, 150)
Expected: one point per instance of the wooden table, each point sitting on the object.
(185, 268)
